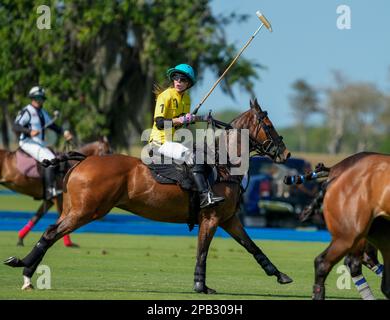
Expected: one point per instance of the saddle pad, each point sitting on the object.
(27, 165)
(180, 175)
(172, 174)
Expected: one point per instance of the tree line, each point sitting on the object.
(355, 117)
(100, 59)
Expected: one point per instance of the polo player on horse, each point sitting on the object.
(172, 111)
(30, 124)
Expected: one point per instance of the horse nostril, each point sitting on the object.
(288, 155)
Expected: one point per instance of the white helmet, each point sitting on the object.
(36, 92)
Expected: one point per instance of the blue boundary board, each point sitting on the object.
(132, 224)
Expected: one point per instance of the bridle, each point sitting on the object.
(272, 146)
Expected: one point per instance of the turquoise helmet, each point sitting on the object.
(185, 69)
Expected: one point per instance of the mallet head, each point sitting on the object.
(264, 20)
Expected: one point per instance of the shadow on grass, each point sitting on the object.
(218, 294)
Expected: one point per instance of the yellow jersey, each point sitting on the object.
(169, 104)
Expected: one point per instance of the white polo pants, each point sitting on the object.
(176, 151)
(36, 150)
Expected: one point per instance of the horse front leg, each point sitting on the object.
(207, 228)
(44, 207)
(235, 228)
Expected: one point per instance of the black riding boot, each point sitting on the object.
(207, 198)
(49, 183)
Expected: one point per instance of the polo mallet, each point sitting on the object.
(264, 22)
(56, 114)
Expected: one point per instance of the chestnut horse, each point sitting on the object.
(364, 253)
(11, 178)
(357, 208)
(97, 184)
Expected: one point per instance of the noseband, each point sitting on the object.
(271, 147)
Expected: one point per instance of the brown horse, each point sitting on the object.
(356, 209)
(13, 179)
(97, 184)
(364, 253)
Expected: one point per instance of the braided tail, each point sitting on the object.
(319, 172)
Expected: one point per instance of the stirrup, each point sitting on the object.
(52, 193)
(208, 200)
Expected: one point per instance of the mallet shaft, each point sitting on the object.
(265, 22)
(227, 69)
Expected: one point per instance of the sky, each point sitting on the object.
(306, 43)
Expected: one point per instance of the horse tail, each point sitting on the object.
(320, 171)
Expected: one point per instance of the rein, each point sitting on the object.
(268, 147)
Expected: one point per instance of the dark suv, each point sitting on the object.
(267, 200)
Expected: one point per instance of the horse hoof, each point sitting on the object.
(28, 287)
(284, 278)
(210, 291)
(200, 287)
(318, 292)
(13, 262)
(20, 243)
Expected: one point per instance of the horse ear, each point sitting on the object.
(105, 139)
(254, 104)
(251, 104)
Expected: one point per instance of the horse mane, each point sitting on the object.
(89, 148)
(254, 104)
(88, 145)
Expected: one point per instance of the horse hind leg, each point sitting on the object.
(207, 228)
(324, 263)
(49, 237)
(44, 207)
(379, 236)
(353, 261)
(66, 239)
(234, 227)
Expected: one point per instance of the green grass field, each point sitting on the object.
(108, 266)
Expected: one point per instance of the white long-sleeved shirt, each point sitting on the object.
(32, 118)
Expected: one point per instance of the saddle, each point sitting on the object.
(30, 167)
(27, 165)
(180, 175)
